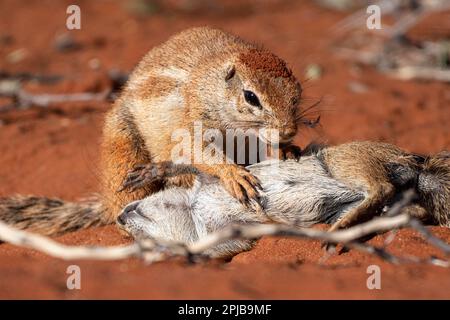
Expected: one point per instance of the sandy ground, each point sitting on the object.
(54, 151)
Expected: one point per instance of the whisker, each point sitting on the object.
(310, 123)
(271, 115)
(309, 108)
(245, 125)
(308, 98)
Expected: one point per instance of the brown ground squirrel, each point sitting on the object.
(201, 74)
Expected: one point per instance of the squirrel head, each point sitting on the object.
(253, 89)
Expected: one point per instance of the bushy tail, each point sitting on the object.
(50, 217)
(434, 187)
(431, 180)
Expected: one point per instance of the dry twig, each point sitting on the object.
(151, 250)
(11, 87)
(23, 99)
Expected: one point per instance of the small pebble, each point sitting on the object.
(94, 64)
(9, 87)
(357, 87)
(17, 55)
(313, 72)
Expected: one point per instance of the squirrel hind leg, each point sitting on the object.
(419, 212)
(371, 205)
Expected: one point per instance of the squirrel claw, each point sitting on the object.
(143, 175)
(242, 185)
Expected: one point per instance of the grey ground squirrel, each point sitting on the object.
(343, 185)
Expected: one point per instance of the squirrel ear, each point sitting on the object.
(230, 74)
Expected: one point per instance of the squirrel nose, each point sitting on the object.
(122, 218)
(127, 212)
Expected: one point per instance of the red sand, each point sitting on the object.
(54, 152)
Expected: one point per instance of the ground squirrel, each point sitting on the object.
(344, 185)
(201, 74)
(204, 75)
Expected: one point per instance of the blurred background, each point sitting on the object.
(389, 84)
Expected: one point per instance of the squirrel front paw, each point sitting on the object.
(241, 184)
(290, 152)
(143, 175)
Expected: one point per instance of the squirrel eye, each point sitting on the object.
(251, 98)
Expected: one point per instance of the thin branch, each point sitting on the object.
(23, 99)
(150, 250)
(52, 248)
(44, 100)
(27, 76)
(425, 73)
(11, 87)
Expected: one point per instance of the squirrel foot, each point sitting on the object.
(237, 180)
(241, 184)
(145, 174)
